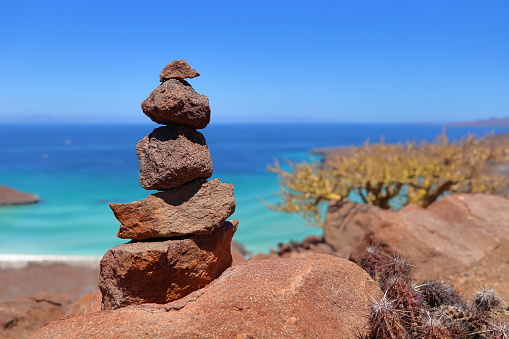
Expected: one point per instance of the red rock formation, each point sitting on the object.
(19, 318)
(175, 159)
(172, 155)
(317, 297)
(176, 102)
(345, 224)
(452, 239)
(162, 271)
(178, 69)
(198, 207)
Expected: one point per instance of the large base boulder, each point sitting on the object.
(162, 271)
(317, 297)
(198, 207)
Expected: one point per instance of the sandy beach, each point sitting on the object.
(65, 277)
(18, 261)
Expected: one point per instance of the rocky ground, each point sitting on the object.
(463, 240)
(39, 292)
(34, 292)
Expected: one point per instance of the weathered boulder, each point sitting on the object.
(172, 155)
(450, 238)
(162, 271)
(309, 246)
(178, 69)
(20, 318)
(345, 224)
(80, 305)
(176, 102)
(10, 196)
(317, 297)
(238, 257)
(198, 207)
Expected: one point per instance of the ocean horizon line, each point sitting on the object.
(300, 123)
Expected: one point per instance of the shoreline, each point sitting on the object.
(20, 261)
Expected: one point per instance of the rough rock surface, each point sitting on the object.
(453, 238)
(20, 318)
(159, 272)
(309, 246)
(32, 295)
(317, 297)
(492, 270)
(178, 69)
(172, 155)
(65, 281)
(198, 207)
(176, 102)
(345, 224)
(10, 196)
(237, 257)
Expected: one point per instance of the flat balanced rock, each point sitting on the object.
(159, 272)
(198, 207)
(176, 102)
(171, 156)
(178, 69)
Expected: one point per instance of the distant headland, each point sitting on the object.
(494, 122)
(10, 196)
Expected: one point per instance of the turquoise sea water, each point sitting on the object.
(77, 169)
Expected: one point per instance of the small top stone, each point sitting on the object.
(178, 69)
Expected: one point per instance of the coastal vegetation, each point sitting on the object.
(391, 176)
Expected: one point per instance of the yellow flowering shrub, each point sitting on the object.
(390, 176)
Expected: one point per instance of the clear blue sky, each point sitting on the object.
(260, 61)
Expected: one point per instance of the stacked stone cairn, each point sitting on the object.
(180, 237)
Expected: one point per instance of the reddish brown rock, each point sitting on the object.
(10, 196)
(159, 272)
(178, 69)
(20, 318)
(492, 270)
(198, 207)
(237, 257)
(451, 238)
(38, 293)
(345, 224)
(308, 247)
(172, 155)
(239, 253)
(176, 102)
(80, 305)
(65, 281)
(95, 304)
(318, 297)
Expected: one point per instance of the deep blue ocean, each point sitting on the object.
(76, 169)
